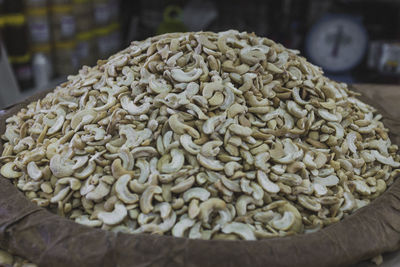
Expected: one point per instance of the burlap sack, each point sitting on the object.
(50, 240)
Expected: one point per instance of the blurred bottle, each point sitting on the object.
(114, 10)
(101, 12)
(62, 22)
(22, 68)
(63, 26)
(35, 4)
(83, 12)
(66, 60)
(86, 48)
(14, 6)
(108, 34)
(85, 42)
(108, 40)
(2, 22)
(39, 25)
(41, 70)
(16, 39)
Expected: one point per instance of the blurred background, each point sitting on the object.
(45, 40)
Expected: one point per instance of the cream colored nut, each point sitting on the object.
(46, 187)
(133, 109)
(80, 161)
(195, 110)
(380, 145)
(210, 163)
(180, 128)
(231, 185)
(235, 109)
(8, 171)
(290, 179)
(330, 180)
(61, 167)
(6, 258)
(88, 170)
(82, 118)
(295, 110)
(60, 195)
(145, 151)
(264, 217)
(193, 209)
(231, 167)
(309, 203)
(172, 60)
(98, 193)
(323, 113)
(297, 98)
(240, 130)
(122, 191)
(267, 184)
(158, 86)
(182, 226)
(211, 148)
(188, 145)
(147, 198)
(350, 139)
(144, 167)
(58, 123)
(165, 226)
(245, 186)
(241, 229)
(84, 220)
(283, 223)
(186, 77)
(261, 161)
(171, 163)
(127, 159)
(362, 187)
(183, 186)
(258, 192)
(384, 160)
(210, 88)
(319, 189)
(73, 183)
(196, 193)
(242, 203)
(114, 217)
(210, 124)
(99, 133)
(208, 206)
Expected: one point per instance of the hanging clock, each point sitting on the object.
(337, 43)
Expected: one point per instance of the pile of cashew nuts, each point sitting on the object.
(201, 135)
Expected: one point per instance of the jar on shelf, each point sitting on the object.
(60, 2)
(101, 12)
(22, 68)
(38, 25)
(35, 4)
(42, 61)
(62, 22)
(65, 58)
(108, 40)
(86, 48)
(83, 11)
(14, 6)
(16, 34)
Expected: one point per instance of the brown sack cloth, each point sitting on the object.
(50, 240)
